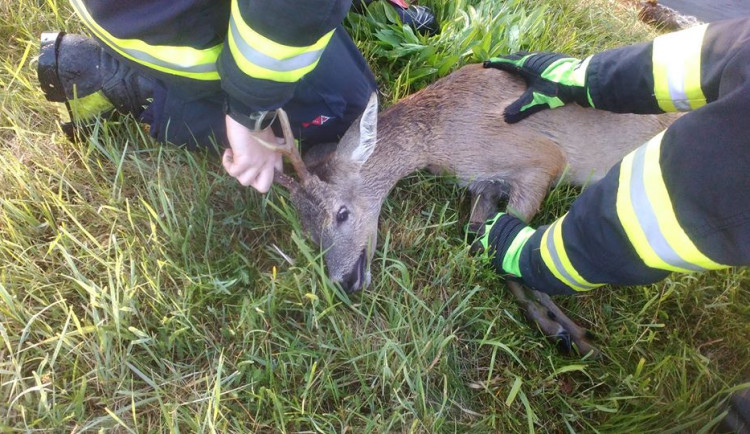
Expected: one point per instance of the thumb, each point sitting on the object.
(516, 111)
(227, 159)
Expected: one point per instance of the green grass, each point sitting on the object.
(143, 290)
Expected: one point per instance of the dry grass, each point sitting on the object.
(142, 290)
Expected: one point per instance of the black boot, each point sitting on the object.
(419, 18)
(738, 419)
(75, 70)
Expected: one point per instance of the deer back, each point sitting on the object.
(456, 125)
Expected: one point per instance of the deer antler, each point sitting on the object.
(289, 149)
(285, 181)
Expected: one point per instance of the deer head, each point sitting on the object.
(335, 206)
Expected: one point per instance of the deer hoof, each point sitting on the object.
(568, 336)
(571, 337)
(553, 323)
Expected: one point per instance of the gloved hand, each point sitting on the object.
(552, 79)
(502, 239)
(248, 160)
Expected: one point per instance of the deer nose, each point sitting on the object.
(355, 279)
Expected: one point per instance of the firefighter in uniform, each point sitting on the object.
(679, 203)
(199, 70)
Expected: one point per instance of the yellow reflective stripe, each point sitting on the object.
(647, 216)
(677, 70)
(267, 46)
(183, 61)
(554, 256)
(511, 260)
(260, 57)
(693, 90)
(667, 220)
(627, 216)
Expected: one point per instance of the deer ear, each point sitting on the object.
(368, 131)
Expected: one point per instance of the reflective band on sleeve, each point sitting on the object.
(677, 70)
(513, 255)
(183, 61)
(647, 216)
(552, 250)
(260, 57)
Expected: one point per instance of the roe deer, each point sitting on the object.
(456, 126)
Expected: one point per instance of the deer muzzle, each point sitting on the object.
(358, 278)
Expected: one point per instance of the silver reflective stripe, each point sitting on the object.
(676, 81)
(138, 55)
(647, 218)
(259, 59)
(556, 258)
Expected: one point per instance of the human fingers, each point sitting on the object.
(248, 176)
(264, 180)
(227, 160)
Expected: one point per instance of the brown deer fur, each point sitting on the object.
(455, 126)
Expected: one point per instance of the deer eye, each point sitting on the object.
(342, 215)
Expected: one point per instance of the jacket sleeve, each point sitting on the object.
(679, 71)
(680, 202)
(271, 45)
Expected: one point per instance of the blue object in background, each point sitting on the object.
(710, 10)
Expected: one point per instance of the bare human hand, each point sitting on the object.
(248, 160)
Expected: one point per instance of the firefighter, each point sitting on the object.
(200, 72)
(679, 203)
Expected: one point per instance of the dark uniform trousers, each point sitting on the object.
(255, 54)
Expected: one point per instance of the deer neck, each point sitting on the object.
(401, 149)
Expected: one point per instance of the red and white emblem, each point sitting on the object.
(320, 120)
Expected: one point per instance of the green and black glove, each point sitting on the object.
(552, 79)
(502, 239)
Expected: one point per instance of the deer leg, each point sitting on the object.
(578, 335)
(535, 312)
(538, 306)
(485, 196)
(555, 325)
(527, 194)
